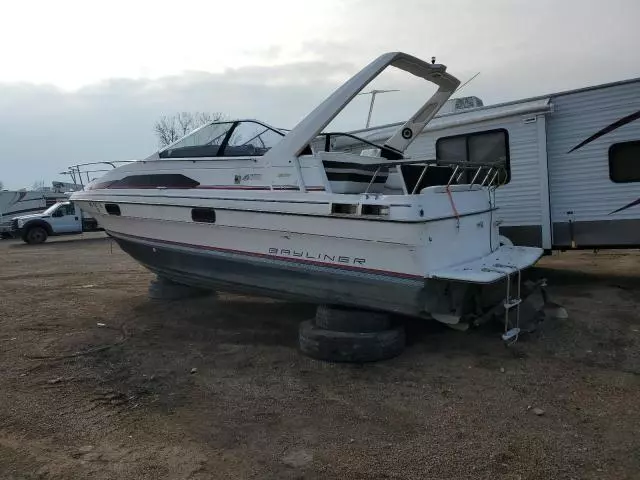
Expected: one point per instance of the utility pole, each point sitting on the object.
(373, 94)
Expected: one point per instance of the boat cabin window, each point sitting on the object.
(241, 138)
(479, 147)
(624, 162)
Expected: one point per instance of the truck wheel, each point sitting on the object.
(90, 226)
(35, 235)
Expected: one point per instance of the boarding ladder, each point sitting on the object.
(491, 179)
(511, 302)
(510, 335)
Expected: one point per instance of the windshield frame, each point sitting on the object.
(390, 152)
(166, 152)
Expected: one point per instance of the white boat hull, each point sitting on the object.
(288, 221)
(251, 274)
(246, 252)
(275, 263)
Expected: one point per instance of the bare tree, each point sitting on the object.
(172, 128)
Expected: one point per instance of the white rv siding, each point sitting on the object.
(579, 181)
(520, 200)
(556, 198)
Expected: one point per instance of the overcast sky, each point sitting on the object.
(84, 81)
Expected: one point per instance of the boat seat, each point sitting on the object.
(434, 176)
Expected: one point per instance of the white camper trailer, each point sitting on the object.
(573, 163)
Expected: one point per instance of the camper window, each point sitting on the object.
(624, 162)
(478, 147)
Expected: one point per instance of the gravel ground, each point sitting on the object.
(97, 381)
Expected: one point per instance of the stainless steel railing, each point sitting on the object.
(495, 174)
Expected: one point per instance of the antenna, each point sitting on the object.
(373, 94)
(465, 83)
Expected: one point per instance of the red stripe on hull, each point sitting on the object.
(285, 259)
(208, 187)
(250, 187)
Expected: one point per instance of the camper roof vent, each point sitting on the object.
(458, 104)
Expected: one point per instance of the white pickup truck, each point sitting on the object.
(63, 218)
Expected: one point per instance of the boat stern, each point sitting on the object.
(499, 286)
(503, 262)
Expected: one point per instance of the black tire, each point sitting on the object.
(354, 347)
(89, 226)
(35, 236)
(165, 289)
(344, 319)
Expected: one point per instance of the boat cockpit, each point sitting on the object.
(252, 138)
(351, 164)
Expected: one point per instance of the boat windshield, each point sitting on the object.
(242, 138)
(347, 142)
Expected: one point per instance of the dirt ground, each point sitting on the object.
(97, 381)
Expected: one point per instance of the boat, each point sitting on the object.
(242, 206)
